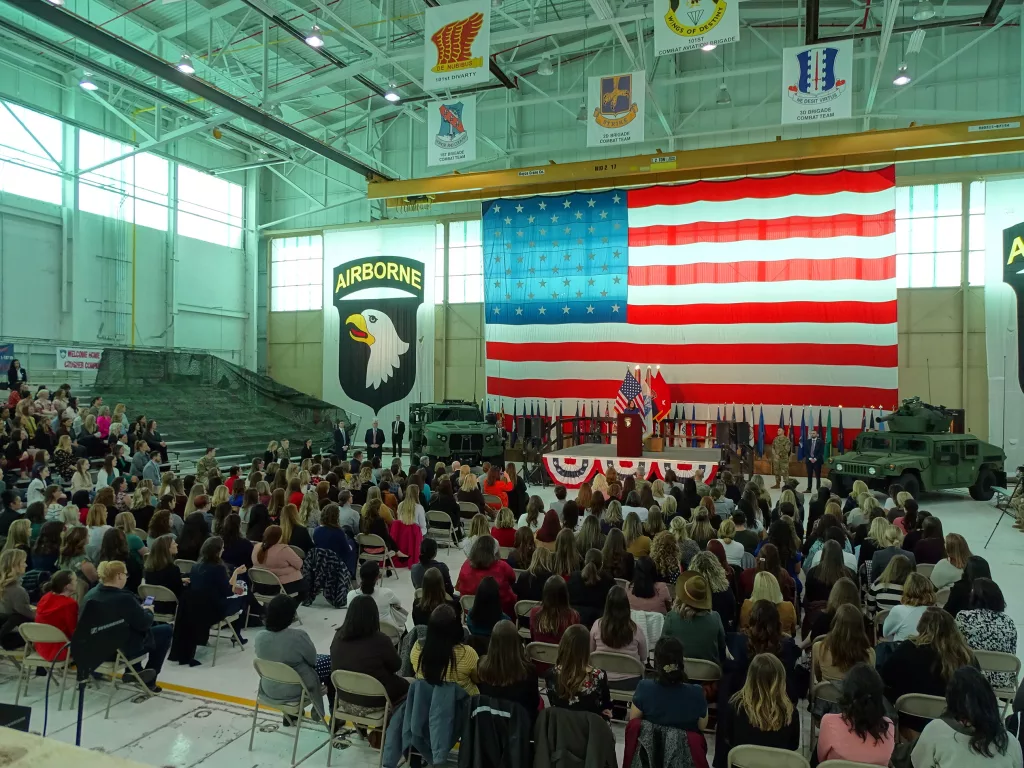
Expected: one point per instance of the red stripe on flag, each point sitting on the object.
(813, 227)
(765, 271)
(765, 312)
(819, 395)
(669, 354)
(765, 187)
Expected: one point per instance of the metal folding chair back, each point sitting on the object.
(440, 528)
(523, 608)
(298, 551)
(921, 705)
(996, 661)
(545, 653)
(925, 569)
(752, 756)
(356, 683)
(277, 672)
(466, 601)
(160, 595)
(492, 501)
(942, 597)
(33, 634)
(618, 663)
(468, 509)
(185, 566)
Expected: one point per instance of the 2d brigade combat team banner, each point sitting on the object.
(686, 25)
(615, 109)
(457, 45)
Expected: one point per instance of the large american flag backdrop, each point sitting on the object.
(772, 291)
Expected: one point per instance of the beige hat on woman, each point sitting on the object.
(692, 590)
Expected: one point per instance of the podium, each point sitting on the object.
(630, 435)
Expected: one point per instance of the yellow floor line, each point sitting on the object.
(212, 695)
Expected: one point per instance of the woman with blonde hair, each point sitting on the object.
(766, 587)
(469, 491)
(590, 536)
(166, 482)
(723, 599)
(918, 595)
(15, 606)
(81, 480)
(96, 523)
(125, 522)
(600, 485)
(406, 529)
(637, 543)
(190, 505)
(871, 544)
(309, 512)
(655, 522)
(701, 531)
(665, 556)
(293, 532)
(19, 536)
(221, 494)
(887, 591)
(891, 544)
(611, 517)
(566, 559)
(64, 457)
(680, 531)
(950, 568)
(479, 526)
(410, 507)
(734, 550)
(533, 517)
(503, 530)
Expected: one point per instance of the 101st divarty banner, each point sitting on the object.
(615, 109)
(686, 26)
(817, 82)
(457, 45)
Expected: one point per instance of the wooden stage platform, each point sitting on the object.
(577, 464)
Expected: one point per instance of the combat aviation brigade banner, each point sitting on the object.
(378, 320)
(686, 25)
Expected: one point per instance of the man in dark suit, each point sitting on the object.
(815, 457)
(397, 434)
(341, 441)
(374, 442)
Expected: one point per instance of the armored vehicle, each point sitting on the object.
(919, 452)
(453, 430)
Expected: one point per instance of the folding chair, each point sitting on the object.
(393, 633)
(466, 601)
(920, 705)
(622, 583)
(542, 653)
(942, 597)
(384, 557)
(221, 625)
(34, 633)
(503, 552)
(878, 622)
(492, 501)
(361, 685)
(752, 756)
(144, 535)
(619, 663)
(121, 667)
(298, 551)
(440, 528)
(468, 510)
(264, 578)
(185, 566)
(277, 672)
(518, 572)
(160, 595)
(996, 661)
(824, 691)
(925, 569)
(523, 608)
(702, 671)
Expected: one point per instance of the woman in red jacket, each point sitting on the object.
(58, 608)
(497, 484)
(483, 562)
(504, 528)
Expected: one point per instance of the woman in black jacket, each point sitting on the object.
(589, 587)
(443, 500)
(530, 584)
(372, 522)
(960, 592)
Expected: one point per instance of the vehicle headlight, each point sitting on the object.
(489, 438)
(839, 467)
(871, 470)
(439, 437)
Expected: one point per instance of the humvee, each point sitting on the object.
(454, 430)
(920, 453)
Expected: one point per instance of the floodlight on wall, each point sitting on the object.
(185, 65)
(902, 75)
(86, 83)
(582, 114)
(723, 97)
(923, 11)
(709, 47)
(545, 69)
(391, 94)
(314, 39)
(916, 41)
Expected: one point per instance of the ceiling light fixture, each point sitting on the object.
(55, 2)
(314, 39)
(709, 47)
(276, 111)
(495, 3)
(916, 41)
(86, 83)
(924, 11)
(185, 65)
(902, 75)
(723, 97)
(391, 94)
(544, 69)
(582, 114)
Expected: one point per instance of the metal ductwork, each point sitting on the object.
(988, 18)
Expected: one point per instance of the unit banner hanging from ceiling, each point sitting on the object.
(615, 109)
(817, 82)
(451, 131)
(457, 41)
(686, 25)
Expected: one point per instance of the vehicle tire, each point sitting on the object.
(911, 484)
(840, 485)
(982, 488)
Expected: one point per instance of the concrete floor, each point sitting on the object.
(204, 714)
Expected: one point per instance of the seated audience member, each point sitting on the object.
(766, 587)
(734, 550)
(529, 585)
(589, 536)
(469, 491)
(887, 591)
(589, 587)
(548, 531)
(618, 561)
(360, 646)
(612, 516)
(667, 697)
(554, 615)
(723, 598)
(15, 606)
(443, 656)
(638, 543)
(506, 672)
(523, 546)
(768, 560)
(389, 607)
(46, 550)
(566, 558)
(145, 636)
(930, 547)
(96, 525)
(830, 568)
(971, 733)
(744, 535)
(115, 547)
(58, 608)
(645, 592)
(432, 594)
(347, 516)
(237, 548)
(761, 713)
(497, 483)
(986, 627)
(479, 526)
(374, 523)
(406, 530)
(428, 559)
(286, 644)
(925, 663)
(918, 595)
(960, 593)
(280, 559)
(860, 732)
(483, 562)
(616, 631)
(195, 531)
(161, 571)
(845, 645)
(73, 556)
(294, 532)
(573, 683)
(693, 622)
(209, 576)
(890, 545)
(844, 592)
(503, 531)
(702, 531)
(665, 554)
(950, 568)
(534, 514)
(486, 610)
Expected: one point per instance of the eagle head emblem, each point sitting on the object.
(375, 329)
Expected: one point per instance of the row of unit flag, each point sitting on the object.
(689, 431)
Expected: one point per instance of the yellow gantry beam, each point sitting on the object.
(900, 145)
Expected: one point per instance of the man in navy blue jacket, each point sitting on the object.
(815, 457)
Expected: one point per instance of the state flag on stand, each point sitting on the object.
(760, 432)
(801, 438)
(515, 432)
(841, 447)
(662, 398)
(828, 434)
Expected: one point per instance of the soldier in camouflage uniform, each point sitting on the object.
(206, 465)
(782, 447)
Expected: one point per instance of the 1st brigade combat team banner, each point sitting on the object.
(457, 45)
(686, 25)
(451, 131)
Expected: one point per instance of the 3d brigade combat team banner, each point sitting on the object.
(451, 131)
(615, 109)
(457, 45)
(817, 82)
(686, 25)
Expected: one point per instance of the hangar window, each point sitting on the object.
(25, 167)
(296, 273)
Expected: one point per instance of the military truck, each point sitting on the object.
(453, 430)
(919, 452)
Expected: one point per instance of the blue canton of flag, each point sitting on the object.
(628, 394)
(560, 259)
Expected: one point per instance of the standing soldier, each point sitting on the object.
(782, 447)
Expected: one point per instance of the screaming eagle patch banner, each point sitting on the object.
(615, 109)
(817, 82)
(686, 25)
(457, 42)
(379, 320)
(451, 131)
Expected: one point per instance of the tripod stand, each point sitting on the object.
(1005, 507)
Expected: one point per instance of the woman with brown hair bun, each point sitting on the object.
(589, 587)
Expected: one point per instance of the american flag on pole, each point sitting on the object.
(771, 289)
(629, 395)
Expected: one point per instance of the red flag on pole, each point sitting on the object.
(662, 399)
